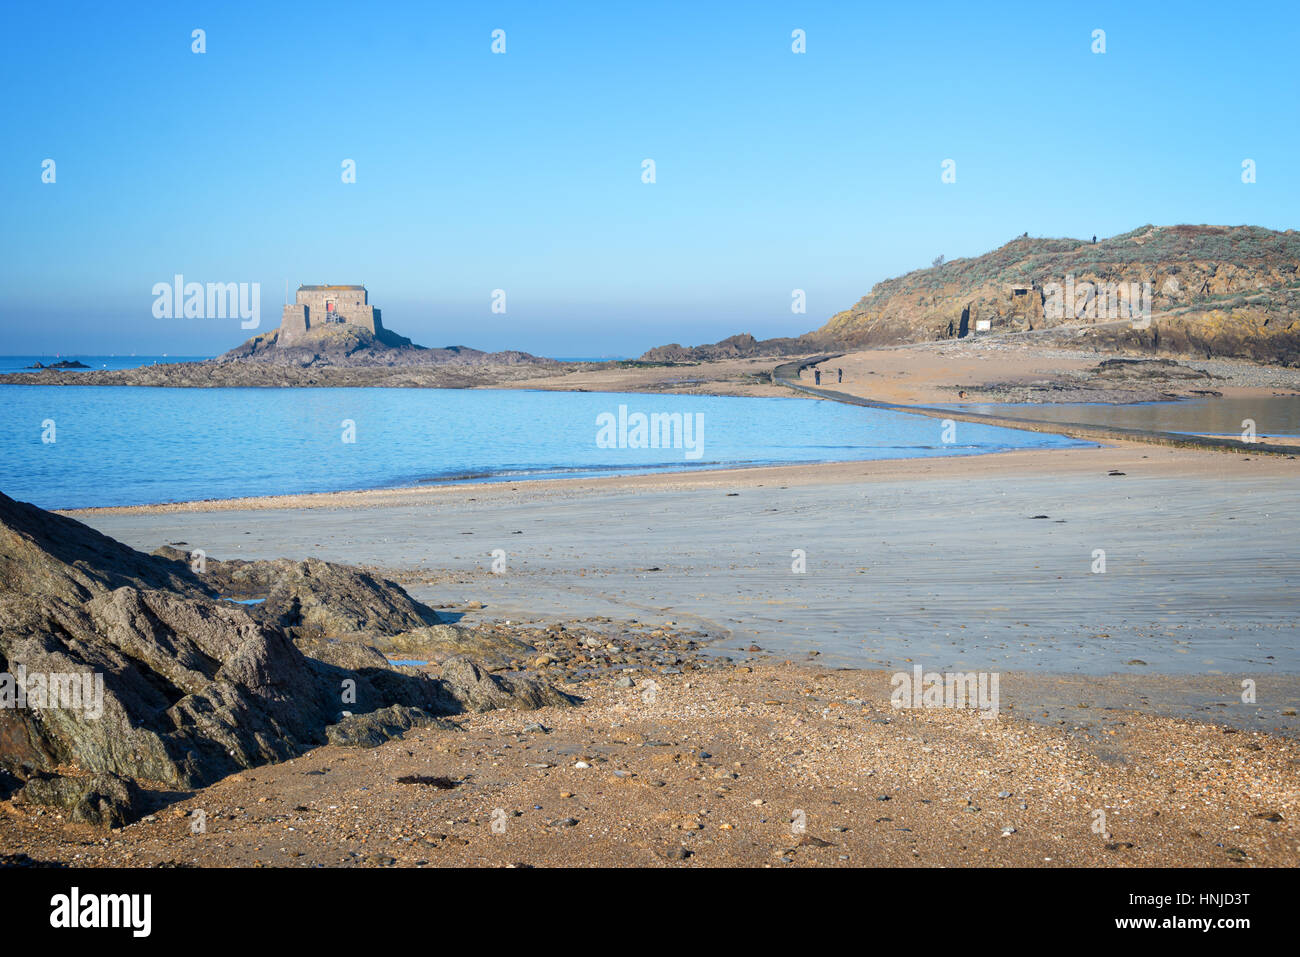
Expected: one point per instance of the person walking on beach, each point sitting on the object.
(817, 376)
(839, 375)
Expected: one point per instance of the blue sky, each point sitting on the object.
(476, 171)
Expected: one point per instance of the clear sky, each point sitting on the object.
(522, 171)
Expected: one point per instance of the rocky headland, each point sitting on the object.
(1212, 291)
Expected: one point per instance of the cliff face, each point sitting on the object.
(1209, 290)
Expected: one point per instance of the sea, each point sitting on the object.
(25, 363)
(85, 446)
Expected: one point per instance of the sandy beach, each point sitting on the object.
(803, 590)
(1120, 692)
(968, 561)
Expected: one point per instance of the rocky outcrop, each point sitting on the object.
(477, 690)
(494, 368)
(437, 643)
(734, 347)
(62, 364)
(336, 355)
(124, 664)
(373, 729)
(349, 655)
(312, 598)
(335, 344)
(101, 799)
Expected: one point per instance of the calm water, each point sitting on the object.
(1273, 415)
(130, 445)
(24, 363)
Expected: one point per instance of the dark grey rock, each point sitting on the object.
(477, 690)
(193, 687)
(105, 800)
(373, 729)
(313, 598)
(437, 643)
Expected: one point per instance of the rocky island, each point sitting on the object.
(330, 336)
(62, 364)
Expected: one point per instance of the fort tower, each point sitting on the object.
(317, 305)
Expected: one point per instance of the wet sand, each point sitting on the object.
(981, 563)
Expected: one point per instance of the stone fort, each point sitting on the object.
(318, 305)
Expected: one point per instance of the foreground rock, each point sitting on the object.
(476, 690)
(124, 664)
(312, 598)
(372, 730)
(354, 619)
(488, 646)
(101, 799)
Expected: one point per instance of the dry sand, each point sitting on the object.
(989, 370)
(777, 766)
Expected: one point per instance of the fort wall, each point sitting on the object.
(294, 323)
(316, 305)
